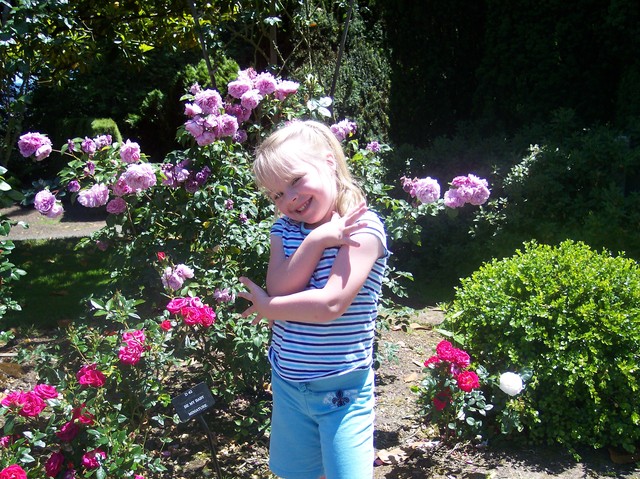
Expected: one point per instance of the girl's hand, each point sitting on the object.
(338, 231)
(258, 297)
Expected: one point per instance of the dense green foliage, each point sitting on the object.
(577, 183)
(9, 272)
(571, 316)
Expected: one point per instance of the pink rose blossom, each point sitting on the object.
(373, 147)
(13, 472)
(251, 99)
(207, 138)
(343, 129)
(92, 459)
(46, 204)
(88, 146)
(45, 391)
(285, 88)
(191, 110)
(239, 87)
(176, 304)
(194, 127)
(102, 141)
(140, 176)
(227, 125)
(265, 83)
(120, 187)
(35, 144)
(73, 186)
(32, 404)
(116, 206)
(94, 197)
(89, 375)
(130, 353)
(209, 101)
(445, 351)
(166, 325)
(427, 190)
(12, 399)
(130, 152)
(184, 271)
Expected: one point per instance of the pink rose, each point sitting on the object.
(130, 353)
(176, 304)
(191, 315)
(45, 391)
(90, 376)
(13, 472)
(130, 152)
(12, 399)
(35, 144)
(92, 459)
(166, 325)
(32, 404)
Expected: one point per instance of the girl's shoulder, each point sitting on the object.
(284, 223)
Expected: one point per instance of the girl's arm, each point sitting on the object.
(287, 275)
(349, 272)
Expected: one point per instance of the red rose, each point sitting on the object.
(54, 464)
(441, 399)
(468, 381)
(68, 431)
(445, 351)
(166, 325)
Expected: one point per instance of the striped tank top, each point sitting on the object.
(302, 352)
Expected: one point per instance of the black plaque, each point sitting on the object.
(193, 402)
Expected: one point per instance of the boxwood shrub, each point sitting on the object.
(571, 315)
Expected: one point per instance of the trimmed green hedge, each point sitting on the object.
(572, 316)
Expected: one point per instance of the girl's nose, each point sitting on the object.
(291, 194)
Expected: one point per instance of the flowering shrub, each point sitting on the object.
(181, 232)
(468, 404)
(450, 393)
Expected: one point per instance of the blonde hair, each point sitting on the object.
(276, 159)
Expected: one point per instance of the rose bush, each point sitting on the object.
(179, 234)
(463, 403)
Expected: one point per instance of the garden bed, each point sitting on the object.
(406, 448)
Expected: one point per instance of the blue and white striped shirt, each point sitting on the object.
(302, 352)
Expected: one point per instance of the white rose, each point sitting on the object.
(510, 383)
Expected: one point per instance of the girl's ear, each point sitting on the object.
(331, 161)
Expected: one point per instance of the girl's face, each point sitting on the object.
(310, 195)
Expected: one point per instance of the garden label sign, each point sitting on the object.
(193, 402)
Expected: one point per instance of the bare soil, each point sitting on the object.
(406, 447)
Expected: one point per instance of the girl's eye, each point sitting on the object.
(295, 180)
(276, 196)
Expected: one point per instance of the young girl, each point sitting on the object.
(328, 256)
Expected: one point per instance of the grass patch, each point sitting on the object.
(58, 282)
